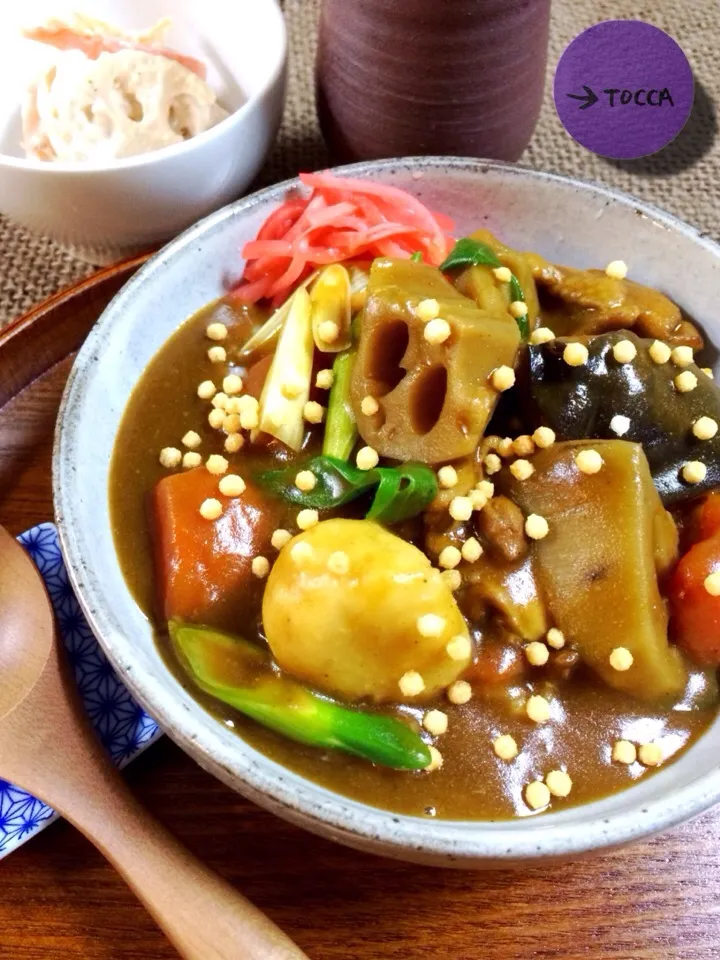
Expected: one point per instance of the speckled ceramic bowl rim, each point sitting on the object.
(555, 835)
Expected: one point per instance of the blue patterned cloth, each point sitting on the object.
(123, 727)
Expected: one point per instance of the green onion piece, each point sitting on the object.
(473, 253)
(340, 428)
(400, 492)
(241, 675)
(417, 256)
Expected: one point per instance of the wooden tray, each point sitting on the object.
(60, 901)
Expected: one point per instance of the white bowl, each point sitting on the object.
(568, 221)
(109, 210)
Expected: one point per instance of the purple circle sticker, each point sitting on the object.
(623, 89)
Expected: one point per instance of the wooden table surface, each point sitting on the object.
(59, 900)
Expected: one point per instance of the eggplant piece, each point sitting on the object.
(580, 403)
(598, 564)
(434, 399)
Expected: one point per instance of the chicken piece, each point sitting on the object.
(574, 302)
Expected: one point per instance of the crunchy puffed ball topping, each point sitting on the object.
(428, 310)
(659, 352)
(301, 553)
(216, 418)
(206, 390)
(537, 654)
(216, 331)
(543, 437)
(708, 372)
(232, 384)
(411, 684)
(191, 460)
(555, 638)
(471, 551)
(477, 499)
(694, 472)
(231, 423)
(621, 659)
(518, 309)
(685, 382)
(541, 335)
(589, 461)
(616, 269)
(430, 625)
(233, 443)
(447, 477)
(305, 480)
(338, 563)
(459, 692)
(232, 485)
(170, 457)
(575, 354)
(537, 795)
(324, 379)
(505, 747)
(522, 469)
(503, 274)
(260, 567)
(524, 445)
(449, 558)
(683, 356)
(306, 519)
(538, 709)
(536, 527)
(291, 389)
(369, 406)
(436, 760)
(313, 412)
(435, 722)
(217, 355)
(705, 428)
(460, 508)
(216, 464)
(211, 509)
(559, 783)
(220, 400)
(367, 458)
(506, 447)
(624, 351)
(486, 488)
(712, 584)
(650, 754)
(624, 752)
(280, 537)
(492, 463)
(459, 648)
(503, 378)
(328, 331)
(452, 578)
(620, 425)
(191, 440)
(437, 331)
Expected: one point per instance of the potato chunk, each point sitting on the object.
(608, 535)
(354, 634)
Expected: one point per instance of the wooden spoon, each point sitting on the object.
(48, 749)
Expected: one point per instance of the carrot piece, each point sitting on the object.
(707, 517)
(203, 567)
(696, 612)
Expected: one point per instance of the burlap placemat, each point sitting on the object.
(683, 178)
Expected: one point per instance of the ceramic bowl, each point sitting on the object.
(570, 222)
(104, 211)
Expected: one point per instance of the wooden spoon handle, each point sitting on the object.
(48, 748)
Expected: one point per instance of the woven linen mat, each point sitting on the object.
(684, 178)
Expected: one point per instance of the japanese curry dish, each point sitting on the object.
(430, 521)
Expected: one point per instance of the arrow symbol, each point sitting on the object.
(588, 100)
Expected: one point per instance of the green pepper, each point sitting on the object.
(340, 428)
(474, 253)
(400, 492)
(241, 675)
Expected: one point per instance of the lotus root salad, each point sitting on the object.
(428, 520)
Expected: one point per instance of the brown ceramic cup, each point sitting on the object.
(417, 77)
